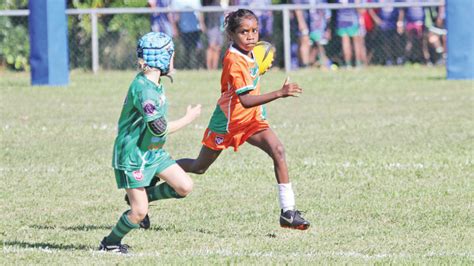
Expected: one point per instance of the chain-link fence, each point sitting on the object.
(318, 35)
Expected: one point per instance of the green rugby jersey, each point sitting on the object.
(135, 146)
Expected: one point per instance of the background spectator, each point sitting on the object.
(435, 32)
(190, 25)
(162, 22)
(416, 48)
(215, 38)
(312, 27)
(348, 27)
(390, 24)
(360, 49)
(370, 37)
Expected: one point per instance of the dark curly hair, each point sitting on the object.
(234, 19)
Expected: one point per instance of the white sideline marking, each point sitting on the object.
(230, 253)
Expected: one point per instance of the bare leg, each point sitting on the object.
(322, 55)
(215, 57)
(201, 163)
(212, 56)
(360, 50)
(304, 50)
(424, 48)
(347, 50)
(268, 141)
(138, 204)
(209, 58)
(313, 53)
(178, 180)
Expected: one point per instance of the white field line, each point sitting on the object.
(230, 253)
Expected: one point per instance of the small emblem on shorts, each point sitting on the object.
(219, 140)
(138, 175)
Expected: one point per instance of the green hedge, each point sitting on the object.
(117, 33)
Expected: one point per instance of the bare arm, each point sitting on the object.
(401, 17)
(288, 89)
(202, 25)
(439, 19)
(375, 17)
(173, 19)
(191, 114)
(302, 26)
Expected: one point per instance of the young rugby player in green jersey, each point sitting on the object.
(142, 130)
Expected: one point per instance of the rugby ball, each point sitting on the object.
(263, 53)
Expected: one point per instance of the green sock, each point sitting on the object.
(123, 227)
(162, 191)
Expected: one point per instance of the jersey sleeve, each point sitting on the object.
(149, 103)
(240, 78)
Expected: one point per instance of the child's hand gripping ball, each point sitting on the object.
(264, 53)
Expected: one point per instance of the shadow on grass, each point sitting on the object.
(48, 246)
(88, 227)
(85, 227)
(437, 77)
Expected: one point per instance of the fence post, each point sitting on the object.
(95, 43)
(286, 39)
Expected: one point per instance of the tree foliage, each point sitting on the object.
(14, 41)
(117, 34)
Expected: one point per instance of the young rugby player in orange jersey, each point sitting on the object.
(240, 115)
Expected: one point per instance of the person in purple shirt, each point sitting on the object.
(265, 17)
(416, 48)
(390, 25)
(348, 27)
(312, 32)
(162, 22)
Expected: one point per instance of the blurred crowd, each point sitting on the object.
(325, 38)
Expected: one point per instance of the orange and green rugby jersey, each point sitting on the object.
(239, 75)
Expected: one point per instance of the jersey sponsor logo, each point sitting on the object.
(138, 175)
(149, 108)
(155, 146)
(156, 143)
(156, 139)
(219, 140)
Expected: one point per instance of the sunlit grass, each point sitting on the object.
(381, 160)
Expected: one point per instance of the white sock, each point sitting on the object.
(286, 197)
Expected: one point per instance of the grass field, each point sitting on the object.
(381, 161)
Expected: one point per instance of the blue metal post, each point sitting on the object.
(48, 42)
(459, 15)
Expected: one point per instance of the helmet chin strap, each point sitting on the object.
(168, 76)
(162, 74)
